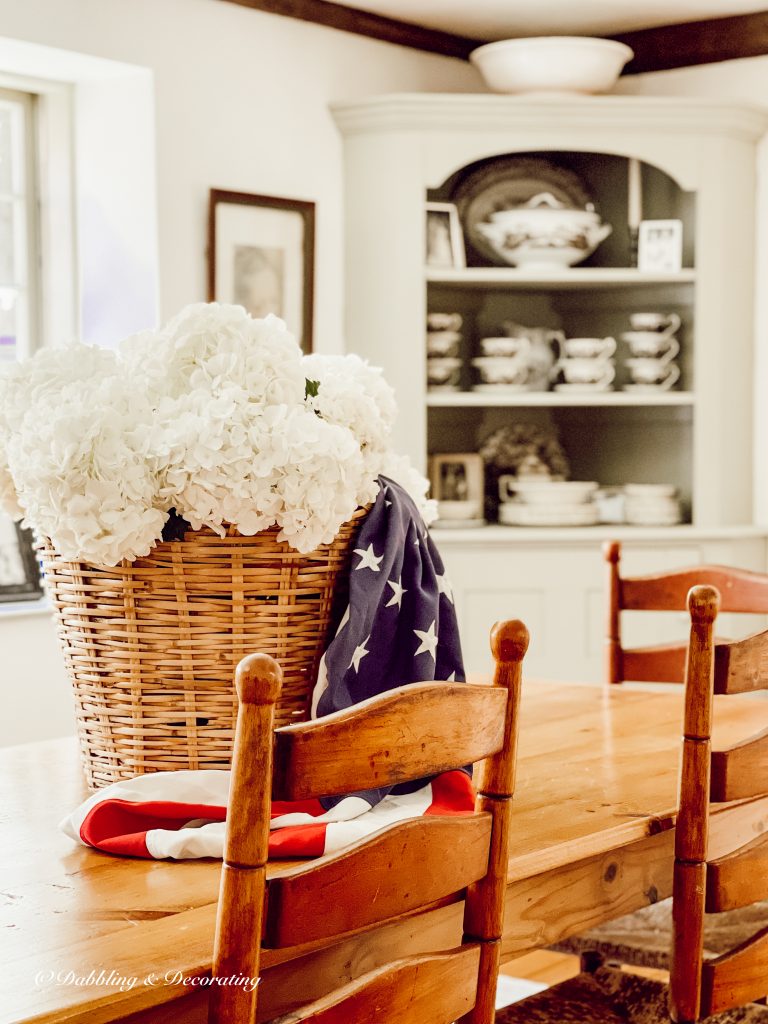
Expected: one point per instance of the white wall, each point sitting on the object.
(241, 103)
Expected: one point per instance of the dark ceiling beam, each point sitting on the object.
(363, 23)
(656, 49)
(697, 42)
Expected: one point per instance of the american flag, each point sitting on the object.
(400, 627)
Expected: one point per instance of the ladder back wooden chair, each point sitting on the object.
(699, 986)
(740, 591)
(405, 734)
(642, 938)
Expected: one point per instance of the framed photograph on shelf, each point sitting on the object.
(457, 477)
(19, 568)
(261, 255)
(445, 241)
(660, 246)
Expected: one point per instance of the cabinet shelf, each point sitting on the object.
(527, 399)
(564, 280)
(497, 534)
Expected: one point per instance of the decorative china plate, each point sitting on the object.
(509, 182)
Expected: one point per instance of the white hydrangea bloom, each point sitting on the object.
(207, 416)
(81, 475)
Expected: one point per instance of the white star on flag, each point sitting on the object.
(428, 641)
(360, 653)
(444, 586)
(368, 559)
(397, 595)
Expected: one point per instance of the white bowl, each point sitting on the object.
(555, 492)
(650, 490)
(578, 64)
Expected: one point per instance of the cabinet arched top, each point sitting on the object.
(467, 165)
(452, 131)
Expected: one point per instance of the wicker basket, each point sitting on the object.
(151, 645)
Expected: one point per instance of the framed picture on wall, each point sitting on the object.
(445, 241)
(261, 255)
(19, 568)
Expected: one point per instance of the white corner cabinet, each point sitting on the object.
(698, 161)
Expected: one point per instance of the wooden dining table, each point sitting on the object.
(89, 937)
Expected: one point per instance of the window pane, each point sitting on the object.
(7, 243)
(10, 347)
(8, 146)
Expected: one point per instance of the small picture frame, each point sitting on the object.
(444, 237)
(261, 255)
(19, 567)
(660, 246)
(457, 477)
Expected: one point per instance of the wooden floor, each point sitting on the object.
(549, 968)
(542, 966)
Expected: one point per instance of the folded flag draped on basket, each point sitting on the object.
(400, 627)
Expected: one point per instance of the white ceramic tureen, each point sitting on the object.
(544, 234)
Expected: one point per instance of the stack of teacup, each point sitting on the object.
(586, 364)
(443, 342)
(653, 347)
(504, 364)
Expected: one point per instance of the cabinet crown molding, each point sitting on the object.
(438, 112)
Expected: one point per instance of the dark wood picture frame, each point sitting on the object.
(305, 210)
(30, 588)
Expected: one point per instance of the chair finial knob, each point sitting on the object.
(612, 551)
(703, 603)
(258, 679)
(509, 640)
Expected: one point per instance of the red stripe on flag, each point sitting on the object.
(297, 841)
(452, 793)
(114, 820)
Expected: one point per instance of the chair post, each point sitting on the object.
(258, 679)
(691, 830)
(484, 907)
(613, 667)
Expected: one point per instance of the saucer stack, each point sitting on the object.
(443, 343)
(653, 347)
(548, 503)
(651, 505)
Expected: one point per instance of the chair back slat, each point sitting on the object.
(434, 987)
(662, 664)
(409, 733)
(738, 879)
(375, 880)
(741, 771)
(740, 591)
(737, 978)
(741, 666)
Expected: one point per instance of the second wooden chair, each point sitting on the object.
(700, 986)
(740, 591)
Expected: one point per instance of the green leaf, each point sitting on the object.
(311, 388)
